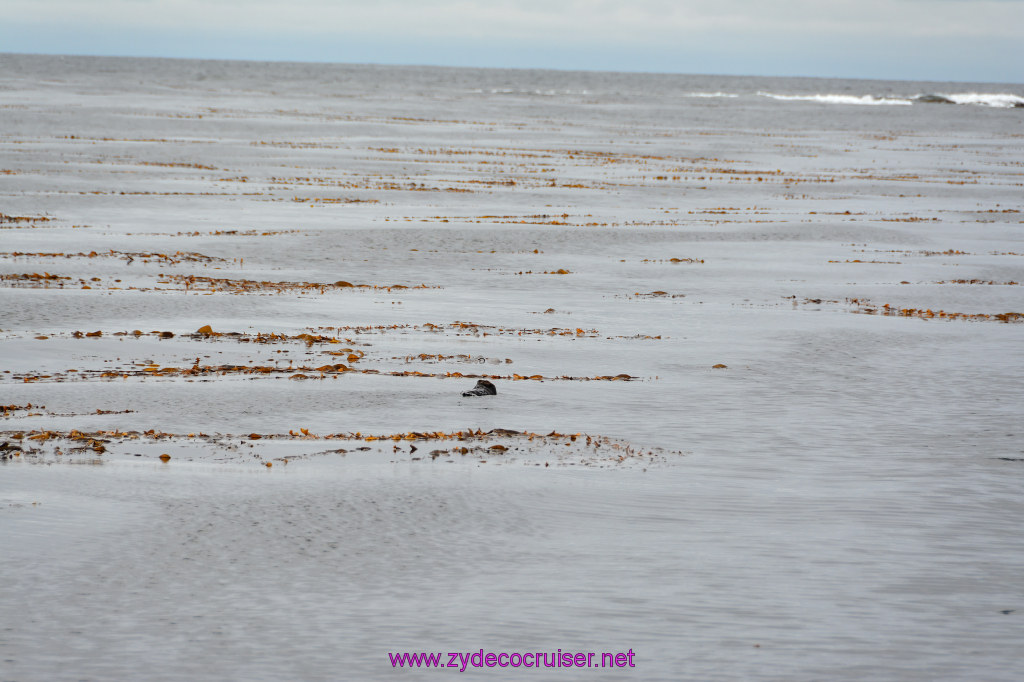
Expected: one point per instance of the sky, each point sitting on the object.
(961, 40)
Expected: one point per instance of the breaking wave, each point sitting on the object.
(531, 92)
(841, 99)
(997, 100)
(711, 94)
(1000, 100)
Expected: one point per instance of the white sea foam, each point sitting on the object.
(840, 99)
(1001, 100)
(515, 91)
(711, 94)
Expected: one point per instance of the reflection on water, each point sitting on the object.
(716, 566)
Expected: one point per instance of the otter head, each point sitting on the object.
(483, 387)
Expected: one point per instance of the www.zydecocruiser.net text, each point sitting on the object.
(462, 660)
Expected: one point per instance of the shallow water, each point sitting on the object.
(839, 502)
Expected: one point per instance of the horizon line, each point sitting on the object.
(491, 68)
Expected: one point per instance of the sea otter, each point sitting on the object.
(483, 387)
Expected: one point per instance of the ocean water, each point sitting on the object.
(757, 342)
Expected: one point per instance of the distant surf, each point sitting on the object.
(840, 99)
(997, 100)
(711, 94)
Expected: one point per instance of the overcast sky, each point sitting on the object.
(972, 40)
